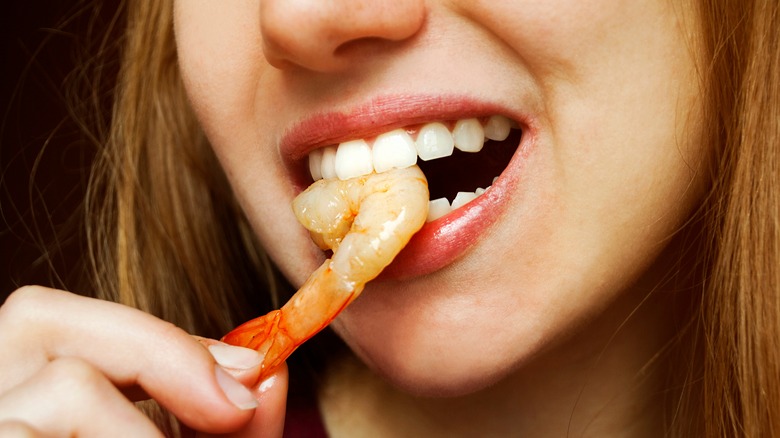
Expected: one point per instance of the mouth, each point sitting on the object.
(460, 158)
(471, 153)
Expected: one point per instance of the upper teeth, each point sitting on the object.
(399, 149)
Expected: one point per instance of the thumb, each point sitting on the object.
(271, 393)
(268, 420)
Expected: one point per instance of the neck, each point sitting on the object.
(611, 378)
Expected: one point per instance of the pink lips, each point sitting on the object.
(441, 242)
(444, 240)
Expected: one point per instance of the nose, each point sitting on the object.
(321, 35)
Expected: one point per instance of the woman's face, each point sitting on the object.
(607, 168)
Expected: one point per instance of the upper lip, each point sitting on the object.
(374, 117)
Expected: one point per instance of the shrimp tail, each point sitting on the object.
(279, 333)
(264, 335)
(255, 333)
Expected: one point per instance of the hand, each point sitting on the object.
(71, 365)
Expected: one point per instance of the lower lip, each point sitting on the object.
(441, 242)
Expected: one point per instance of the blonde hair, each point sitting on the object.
(168, 237)
(740, 308)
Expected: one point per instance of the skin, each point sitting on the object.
(72, 366)
(613, 173)
(562, 335)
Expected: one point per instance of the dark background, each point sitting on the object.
(44, 155)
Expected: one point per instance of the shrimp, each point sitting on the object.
(365, 221)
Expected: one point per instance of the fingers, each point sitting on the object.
(268, 421)
(128, 347)
(242, 363)
(94, 406)
(271, 394)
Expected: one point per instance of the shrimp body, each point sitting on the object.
(366, 221)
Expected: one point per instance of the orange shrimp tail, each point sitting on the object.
(265, 335)
(253, 334)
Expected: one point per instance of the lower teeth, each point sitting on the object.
(441, 206)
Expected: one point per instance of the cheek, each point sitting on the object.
(616, 173)
(621, 103)
(220, 58)
(553, 37)
(221, 61)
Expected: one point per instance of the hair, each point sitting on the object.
(740, 307)
(167, 236)
(164, 232)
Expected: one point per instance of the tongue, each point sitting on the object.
(465, 172)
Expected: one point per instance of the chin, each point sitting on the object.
(433, 357)
(447, 378)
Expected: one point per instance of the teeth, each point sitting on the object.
(315, 164)
(394, 149)
(463, 198)
(328, 168)
(398, 149)
(353, 159)
(434, 141)
(438, 208)
(497, 128)
(469, 135)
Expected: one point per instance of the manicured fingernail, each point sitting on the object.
(237, 393)
(238, 358)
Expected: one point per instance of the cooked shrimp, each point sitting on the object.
(366, 221)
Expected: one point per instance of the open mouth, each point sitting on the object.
(460, 158)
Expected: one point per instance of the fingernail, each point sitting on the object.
(238, 358)
(237, 393)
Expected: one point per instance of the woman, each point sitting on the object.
(619, 277)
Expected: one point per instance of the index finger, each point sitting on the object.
(129, 346)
